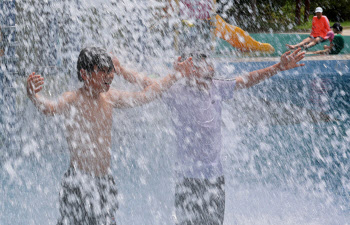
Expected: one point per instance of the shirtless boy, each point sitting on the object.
(88, 193)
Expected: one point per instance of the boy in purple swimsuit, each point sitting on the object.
(195, 104)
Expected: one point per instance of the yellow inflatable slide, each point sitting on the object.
(238, 38)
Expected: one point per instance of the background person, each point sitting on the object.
(336, 43)
(320, 28)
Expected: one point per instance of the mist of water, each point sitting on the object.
(286, 141)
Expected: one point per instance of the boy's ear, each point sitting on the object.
(83, 74)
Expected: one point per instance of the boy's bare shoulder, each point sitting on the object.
(112, 92)
(70, 96)
(114, 96)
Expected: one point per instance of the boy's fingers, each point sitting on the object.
(38, 78)
(190, 61)
(286, 53)
(38, 89)
(31, 75)
(34, 77)
(296, 52)
(39, 83)
(299, 57)
(30, 81)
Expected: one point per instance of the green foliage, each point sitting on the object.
(279, 15)
(335, 10)
(268, 15)
(306, 26)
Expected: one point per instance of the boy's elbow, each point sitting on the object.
(149, 96)
(48, 112)
(148, 82)
(242, 82)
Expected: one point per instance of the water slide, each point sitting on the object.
(238, 38)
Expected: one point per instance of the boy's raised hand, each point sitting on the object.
(186, 67)
(289, 60)
(34, 84)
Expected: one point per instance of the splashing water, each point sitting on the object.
(286, 152)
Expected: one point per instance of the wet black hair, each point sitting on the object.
(93, 56)
(195, 56)
(198, 55)
(337, 26)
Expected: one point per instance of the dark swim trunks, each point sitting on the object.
(87, 200)
(200, 201)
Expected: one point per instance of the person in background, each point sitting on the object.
(336, 42)
(320, 28)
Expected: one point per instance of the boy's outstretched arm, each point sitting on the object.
(131, 76)
(123, 99)
(34, 86)
(288, 61)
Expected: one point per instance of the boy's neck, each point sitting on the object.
(89, 92)
(201, 84)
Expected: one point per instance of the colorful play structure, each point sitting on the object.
(235, 36)
(238, 38)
